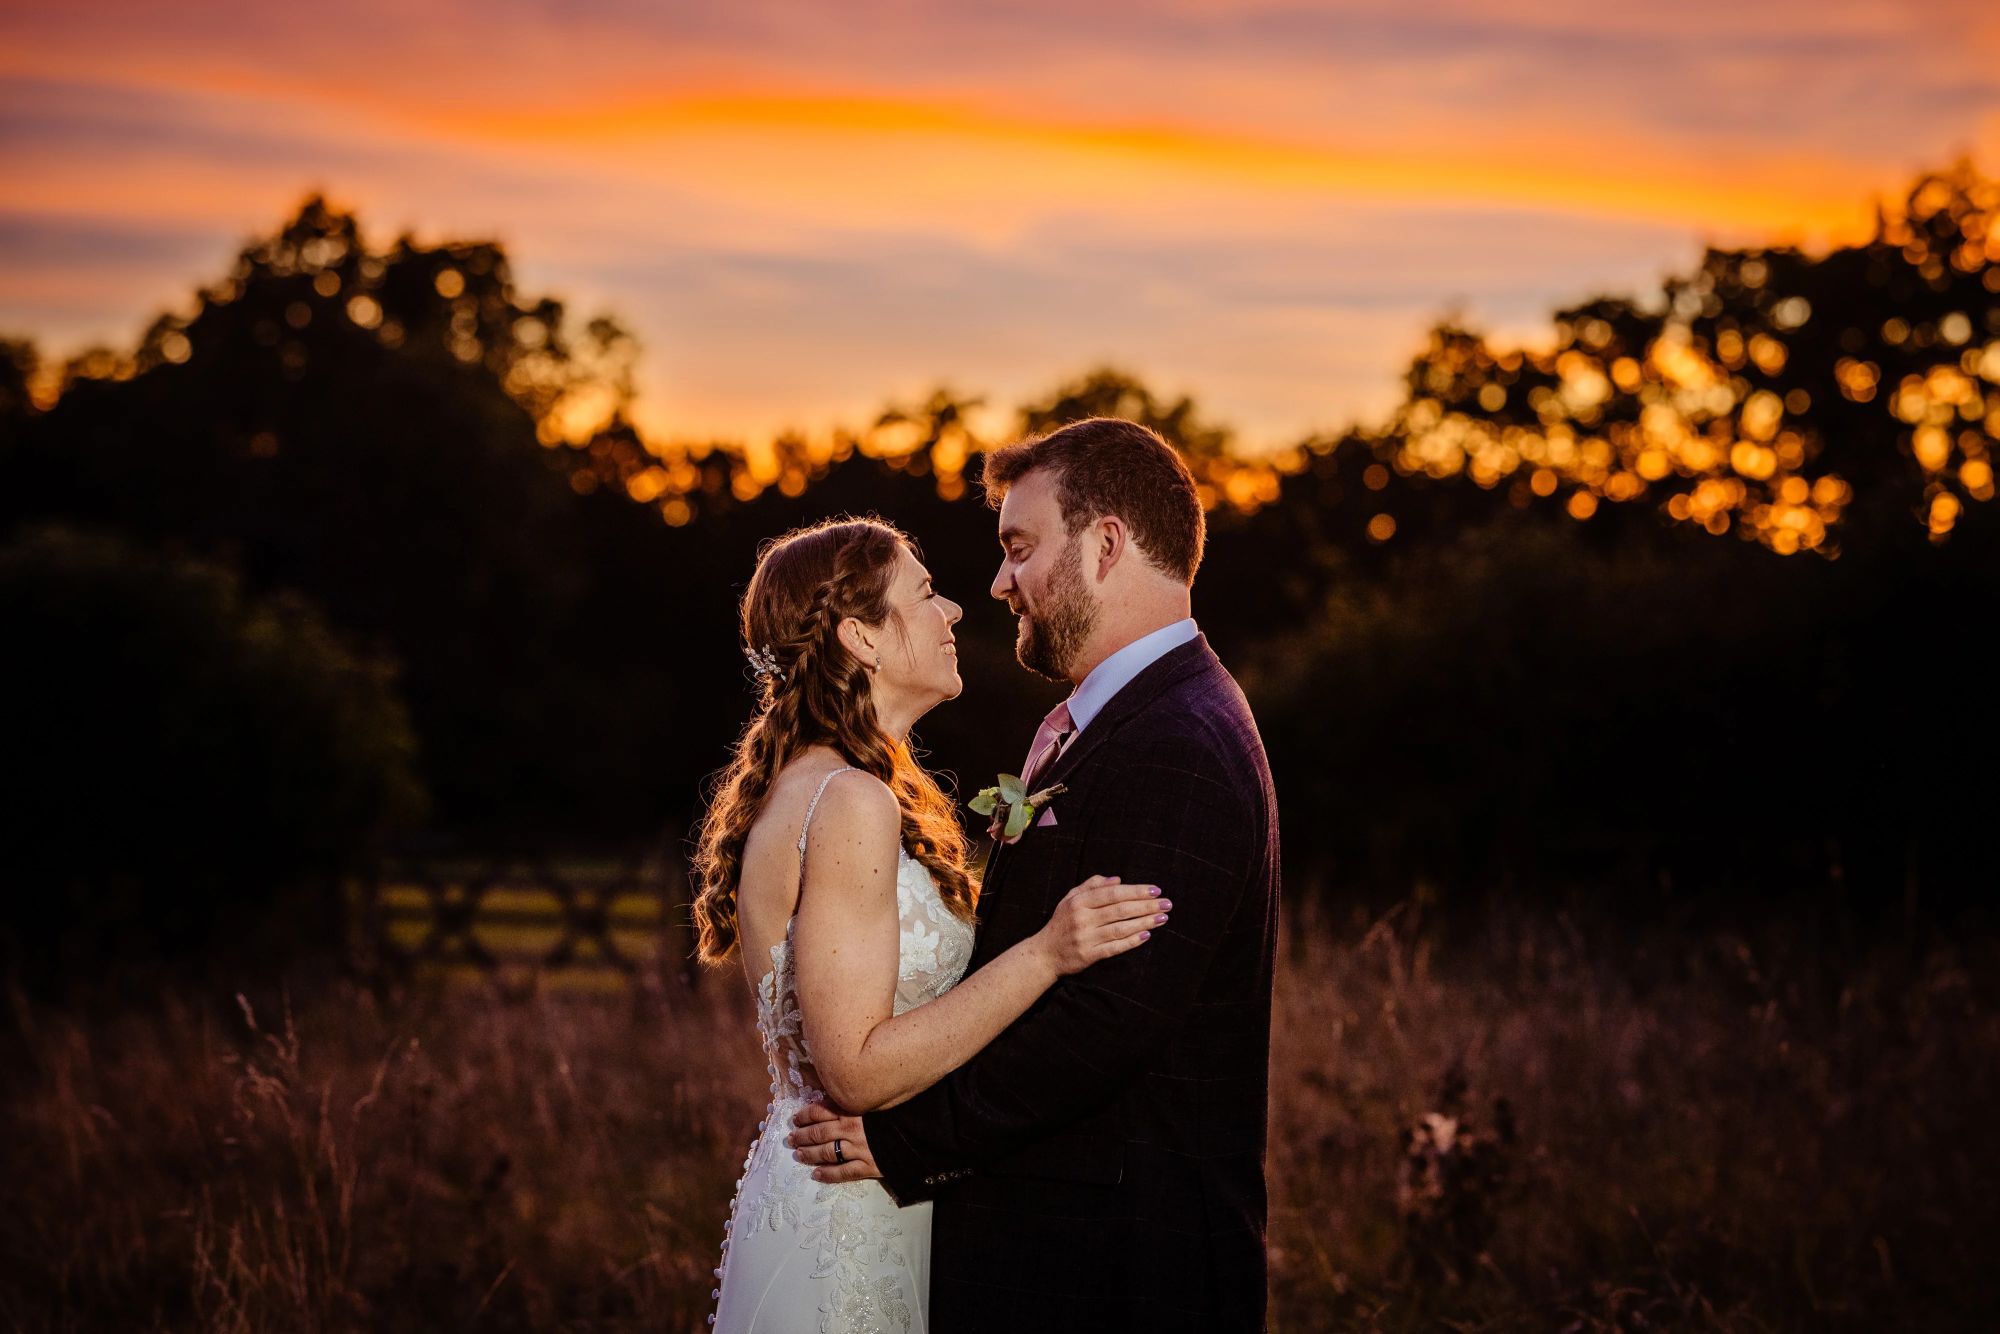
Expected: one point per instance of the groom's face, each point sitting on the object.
(1041, 578)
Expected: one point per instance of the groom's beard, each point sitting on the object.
(1060, 623)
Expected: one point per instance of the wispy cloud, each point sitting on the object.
(804, 208)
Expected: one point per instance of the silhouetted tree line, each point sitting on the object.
(178, 755)
(1508, 639)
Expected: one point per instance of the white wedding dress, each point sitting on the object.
(799, 1256)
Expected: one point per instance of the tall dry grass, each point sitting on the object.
(1729, 1130)
(442, 1162)
(1531, 1127)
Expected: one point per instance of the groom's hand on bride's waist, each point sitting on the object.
(820, 1128)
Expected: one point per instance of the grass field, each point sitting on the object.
(1535, 1127)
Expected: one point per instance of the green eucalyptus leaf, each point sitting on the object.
(988, 798)
(1017, 819)
(1012, 789)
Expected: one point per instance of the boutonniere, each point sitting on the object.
(1012, 806)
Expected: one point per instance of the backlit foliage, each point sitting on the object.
(1757, 396)
(1766, 393)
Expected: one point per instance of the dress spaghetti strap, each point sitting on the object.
(810, 808)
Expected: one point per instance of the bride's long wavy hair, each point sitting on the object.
(805, 584)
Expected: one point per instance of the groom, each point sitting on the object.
(1100, 1165)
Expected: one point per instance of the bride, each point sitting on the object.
(837, 865)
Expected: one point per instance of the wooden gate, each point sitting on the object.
(523, 922)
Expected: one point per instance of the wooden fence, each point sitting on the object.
(520, 923)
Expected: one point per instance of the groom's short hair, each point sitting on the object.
(1106, 465)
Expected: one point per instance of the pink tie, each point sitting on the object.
(1048, 743)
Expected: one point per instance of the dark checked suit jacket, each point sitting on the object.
(1100, 1165)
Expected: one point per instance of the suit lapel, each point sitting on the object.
(1176, 664)
(1173, 666)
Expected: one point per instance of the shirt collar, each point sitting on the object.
(1107, 678)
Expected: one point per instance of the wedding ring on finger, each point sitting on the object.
(839, 1151)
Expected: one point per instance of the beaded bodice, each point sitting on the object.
(932, 952)
(864, 1255)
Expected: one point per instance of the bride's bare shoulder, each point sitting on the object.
(851, 805)
(805, 776)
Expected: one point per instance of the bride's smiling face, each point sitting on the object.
(919, 651)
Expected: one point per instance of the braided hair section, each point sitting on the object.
(817, 693)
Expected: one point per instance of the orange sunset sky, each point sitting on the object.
(805, 210)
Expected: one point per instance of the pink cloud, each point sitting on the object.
(807, 207)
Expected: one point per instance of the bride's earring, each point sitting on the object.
(878, 662)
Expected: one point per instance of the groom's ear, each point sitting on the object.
(1106, 542)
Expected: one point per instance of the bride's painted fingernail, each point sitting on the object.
(1158, 918)
(1154, 891)
(1145, 935)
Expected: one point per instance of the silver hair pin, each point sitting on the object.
(763, 662)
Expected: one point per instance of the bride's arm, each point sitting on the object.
(846, 944)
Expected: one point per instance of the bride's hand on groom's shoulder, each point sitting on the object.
(835, 1146)
(1099, 918)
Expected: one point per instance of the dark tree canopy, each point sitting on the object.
(1507, 632)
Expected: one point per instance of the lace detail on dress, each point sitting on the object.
(851, 1230)
(782, 1027)
(935, 946)
(936, 942)
(854, 1245)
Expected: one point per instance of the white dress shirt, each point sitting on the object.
(1112, 675)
